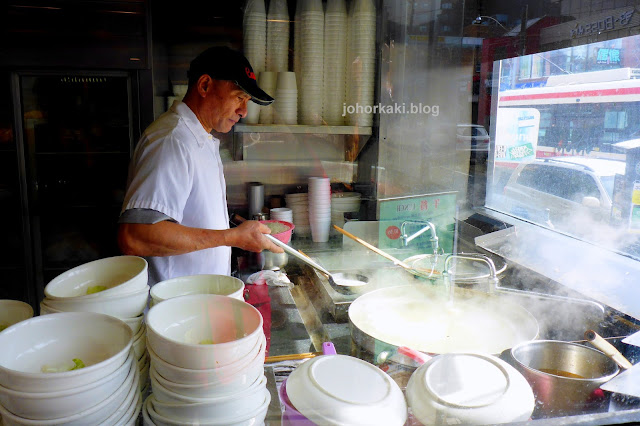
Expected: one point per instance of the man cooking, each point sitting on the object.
(175, 209)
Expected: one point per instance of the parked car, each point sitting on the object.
(471, 137)
(565, 193)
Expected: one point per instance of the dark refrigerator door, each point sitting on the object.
(78, 137)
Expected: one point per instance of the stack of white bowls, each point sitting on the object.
(341, 203)
(361, 62)
(278, 36)
(335, 60)
(254, 27)
(311, 61)
(13, 311)
(122, 291)
(285, 107)
(104, 391)
(297, 54)
(281, 213)
(267, 81)
(319, 208)
(299, 205)
(223, 285)
(207, 362)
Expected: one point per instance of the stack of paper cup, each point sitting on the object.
(297, 54)
(255, 34)
(299, 205)
(253, 111)
(267, 82)
(319, 208)
(278, 36)
(335, 59)
(312, 61)
(285, 107)
(361, 62)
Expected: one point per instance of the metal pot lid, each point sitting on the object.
(421, 317)
(462, 270)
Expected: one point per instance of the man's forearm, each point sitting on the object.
(166, 239)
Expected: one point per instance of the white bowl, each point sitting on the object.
(140, 342)
(144, 376)
(176, 327)
(56, 404)
(462, 388)
(134, 323)
(91, 416)
(13, 311)
(100, 341)
(120, 305)
(119, 274)
(340, 389)
(223, 285)
(226, 374)
(222, 384)
(124, 411)
(220, 409)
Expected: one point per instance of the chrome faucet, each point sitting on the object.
(406, 239)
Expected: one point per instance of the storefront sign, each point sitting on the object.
(439, 209)
(606, 23)
(608, 56)
(516, 134)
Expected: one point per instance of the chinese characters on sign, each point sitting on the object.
(608, 56)
(605, 24)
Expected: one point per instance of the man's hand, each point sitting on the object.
(250, 236)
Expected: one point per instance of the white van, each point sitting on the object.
(564, 193)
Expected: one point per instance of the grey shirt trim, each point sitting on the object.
(146, 216)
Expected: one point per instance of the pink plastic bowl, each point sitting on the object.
(285, 236)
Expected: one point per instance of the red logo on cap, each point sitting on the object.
(250, 73)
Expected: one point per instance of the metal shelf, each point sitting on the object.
(302, 129)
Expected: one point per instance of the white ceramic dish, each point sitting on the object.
(124, 411)
(256, 417)
(238, 382)
(177, 326)
(119, 305)
(102, 342)
(229, 375)
(222, 285)
(91, 416)
(468, 388)
(340, 389)
(13, 311)
(144, 376)
(135, 322)
(140, 342)
(118, 275)
(52, 405)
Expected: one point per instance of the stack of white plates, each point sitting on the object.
(278, 36)
(267, 81)
(299, 205)
(223, 285)
(341, 203)
(312, 62)
(281, 213)
(207, 362)
(73, 368)
(255, 34)
(361, 62)
(335, 60)
(285, 107)
(319, 208)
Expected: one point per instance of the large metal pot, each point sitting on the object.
(563, 375)
(423, 318)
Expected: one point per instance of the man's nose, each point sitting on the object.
(242, 111)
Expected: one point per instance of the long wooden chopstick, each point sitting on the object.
(291, 357)
(372, 248)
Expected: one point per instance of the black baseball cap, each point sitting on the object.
(224, 63)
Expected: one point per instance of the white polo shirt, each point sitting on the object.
(176, 170)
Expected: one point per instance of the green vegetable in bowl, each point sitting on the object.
(276, 227)
(96, 289)
(206, 342)
(77, 364)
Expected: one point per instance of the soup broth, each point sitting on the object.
(560, 373)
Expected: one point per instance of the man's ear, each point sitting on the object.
(205, 84)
